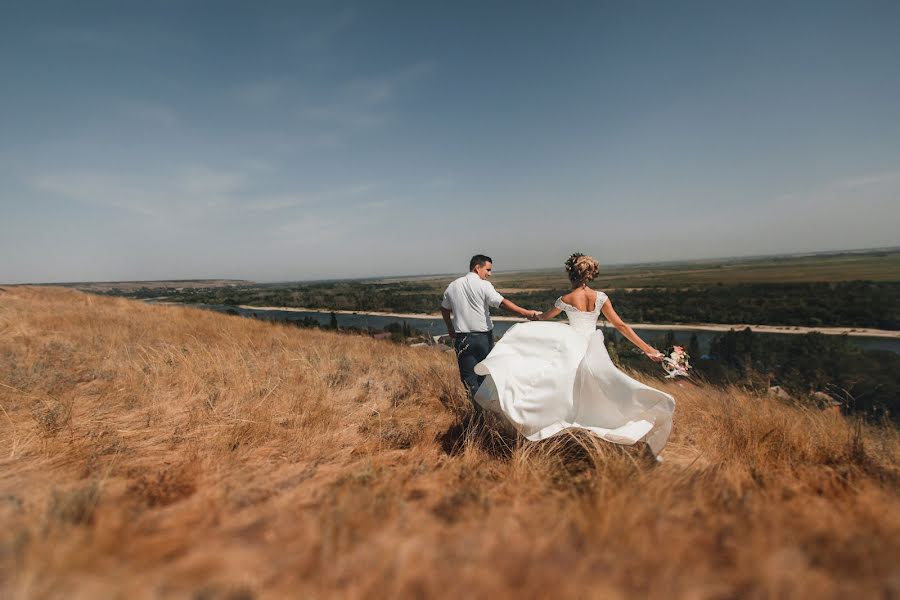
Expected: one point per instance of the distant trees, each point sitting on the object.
(845, 304)
(867, 382)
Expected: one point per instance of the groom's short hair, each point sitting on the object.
(478, 260)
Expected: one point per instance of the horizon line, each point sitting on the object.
(435, 275)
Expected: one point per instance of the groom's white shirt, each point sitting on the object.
(468, 299)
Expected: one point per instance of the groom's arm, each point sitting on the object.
(445, 312)
(495, 299)
(528, 314)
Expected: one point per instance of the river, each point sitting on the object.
(435, 326)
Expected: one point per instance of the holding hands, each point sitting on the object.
(533, 315)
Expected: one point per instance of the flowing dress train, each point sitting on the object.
(548, 377)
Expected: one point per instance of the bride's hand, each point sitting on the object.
(654, 355)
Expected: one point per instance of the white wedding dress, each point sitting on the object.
(547, 377)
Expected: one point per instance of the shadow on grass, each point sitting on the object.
(481, 429)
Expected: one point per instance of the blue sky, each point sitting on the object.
(291, 140)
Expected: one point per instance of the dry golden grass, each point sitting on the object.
(155, 451)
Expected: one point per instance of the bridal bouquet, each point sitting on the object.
(677, 363)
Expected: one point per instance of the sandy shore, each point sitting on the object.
(788, 329)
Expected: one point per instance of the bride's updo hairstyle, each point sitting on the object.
(582, 268)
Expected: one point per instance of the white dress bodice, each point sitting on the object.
(584, 322)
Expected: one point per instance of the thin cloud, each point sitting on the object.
(257, 165)
(358, 189)
(349, 118)
(97, 189)
(375, 204)
(83, 38)
(330, 29)
(362, 104)
(260, 93)
(313, 230)
(274, 203)
(133, 38)
(443, 182)
(154, 114)
(380, 89)
(835, 188)
(181, 196)
(867, 180)
(203, 181)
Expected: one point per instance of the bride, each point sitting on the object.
(547, 377)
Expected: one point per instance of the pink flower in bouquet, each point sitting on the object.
(676, 363)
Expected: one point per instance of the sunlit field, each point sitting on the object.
(160, 451)
(863, 266)
(869, 266)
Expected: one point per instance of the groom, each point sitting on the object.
(468, 300)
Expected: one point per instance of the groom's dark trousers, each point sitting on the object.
(471, 349)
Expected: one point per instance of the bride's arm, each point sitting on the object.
(548, 314)
(610, 313)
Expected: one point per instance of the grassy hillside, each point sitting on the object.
(151, 451)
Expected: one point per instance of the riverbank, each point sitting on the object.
(713, 327)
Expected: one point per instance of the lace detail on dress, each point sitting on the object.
(566, 307)
(563, 306)
(585, 322)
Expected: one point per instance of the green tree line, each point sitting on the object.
(866, 382)
(843, 304)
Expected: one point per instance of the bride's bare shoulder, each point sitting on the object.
(579, 293)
